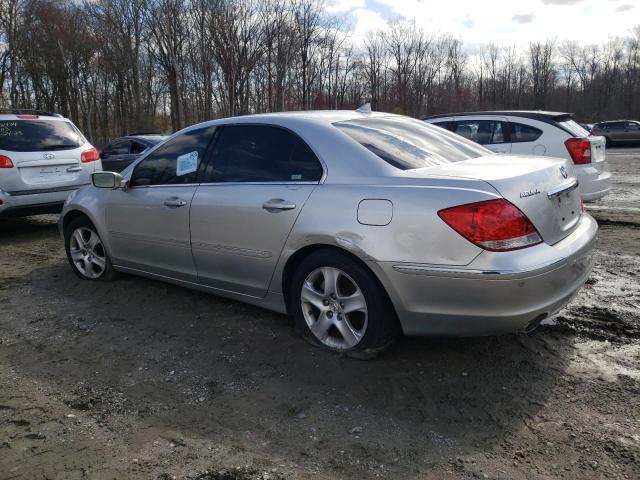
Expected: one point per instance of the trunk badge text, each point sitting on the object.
(48, 156)
(529, 193)
(563, 171)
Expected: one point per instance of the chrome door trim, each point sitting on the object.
(563, 188)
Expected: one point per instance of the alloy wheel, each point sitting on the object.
(87, 252)
(334, 308)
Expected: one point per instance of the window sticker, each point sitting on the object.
(187, 163)
(296, 177)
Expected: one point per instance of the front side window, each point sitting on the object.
(484, 132)
(523, 133)
(39, 135)
(262, 153)
(175, 162)
(407, 143)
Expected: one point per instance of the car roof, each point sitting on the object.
(533, 114)
(318, 118)
(17, 117)
(147, 136)
(615, 121)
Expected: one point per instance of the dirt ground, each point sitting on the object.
(139, 379)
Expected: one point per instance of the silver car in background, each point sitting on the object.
(43, 158)
(359, 225)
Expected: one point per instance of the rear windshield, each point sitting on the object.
(575, 128)
(407, 143)
(38, 135)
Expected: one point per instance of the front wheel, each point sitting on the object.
(607, 142)
(338, 304)
(86, 253)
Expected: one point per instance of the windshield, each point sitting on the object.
(38, 135)
(407, 143)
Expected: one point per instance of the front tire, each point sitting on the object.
(86, 253)
(607, 142)
(338, 304)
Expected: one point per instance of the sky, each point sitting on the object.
(503, 22)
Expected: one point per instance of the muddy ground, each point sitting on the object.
(139, 379)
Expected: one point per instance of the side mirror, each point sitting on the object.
(108, 180)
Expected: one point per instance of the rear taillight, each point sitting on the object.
(579, 149)
(5, 162)
(495, 225)
(90, 155)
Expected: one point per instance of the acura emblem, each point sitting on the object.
(48, 156)
(563, 171)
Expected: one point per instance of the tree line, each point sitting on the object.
(121, 66)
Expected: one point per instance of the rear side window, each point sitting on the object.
(175, 162)
(137, 148)
(523, 133)
(261, 153)
(117, 147)
(39, 135)
(406, 143)
(633, 126)
(484, 132)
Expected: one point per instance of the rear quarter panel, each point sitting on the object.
(415, 233)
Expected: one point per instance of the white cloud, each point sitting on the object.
(503, 22)
(339, 6)
(366, 21)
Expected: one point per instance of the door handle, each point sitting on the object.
(74, 169)
(277, 205)
(175, 202)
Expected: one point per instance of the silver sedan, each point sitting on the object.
(361, 226)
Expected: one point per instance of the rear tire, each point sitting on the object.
(87, 256)
(339, 305)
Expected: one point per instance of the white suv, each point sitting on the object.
(550, 134)
(43, 158)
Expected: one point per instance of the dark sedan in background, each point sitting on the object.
(122, 151)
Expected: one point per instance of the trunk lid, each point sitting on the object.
(42, 170)
(543, 188)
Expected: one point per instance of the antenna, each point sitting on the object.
(364, 108)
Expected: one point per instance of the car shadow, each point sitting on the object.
(204, 370)
(27, 229)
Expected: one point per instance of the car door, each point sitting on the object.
(115, 156)
(487, 131)
(148, 222)
(632, 133)
(257, 180)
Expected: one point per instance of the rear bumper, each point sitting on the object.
(43, 201)
(487, 297)
(594, 184)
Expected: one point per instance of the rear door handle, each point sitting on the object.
(277, 205)
(175, 202)
(74, 169)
